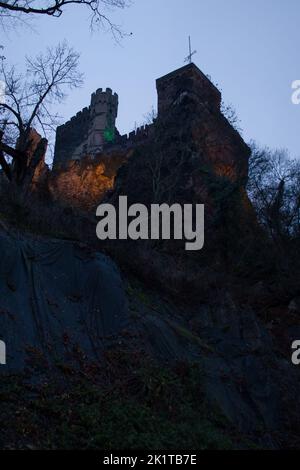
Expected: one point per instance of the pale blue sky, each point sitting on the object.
(249, 47)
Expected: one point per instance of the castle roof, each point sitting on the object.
(189, 69)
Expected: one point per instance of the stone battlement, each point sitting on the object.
(104, 95)
(138, 136)
(81, 115)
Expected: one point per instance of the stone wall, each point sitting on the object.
(70, 135)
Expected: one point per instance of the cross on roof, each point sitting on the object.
(189, 57)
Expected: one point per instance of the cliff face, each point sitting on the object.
(66, 312)
(84, 183)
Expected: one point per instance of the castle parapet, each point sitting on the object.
(135, 137)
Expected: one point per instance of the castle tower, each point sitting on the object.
(88, 131)
(188, 80)
(103, 114)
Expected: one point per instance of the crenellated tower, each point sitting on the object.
(88, 131)
(103, 114)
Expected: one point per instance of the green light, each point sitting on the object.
(109, 134)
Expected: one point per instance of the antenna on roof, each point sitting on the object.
(189, 57)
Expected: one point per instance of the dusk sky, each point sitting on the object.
(250, 49)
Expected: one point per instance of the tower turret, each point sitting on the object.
(103, 114)
(88, 131)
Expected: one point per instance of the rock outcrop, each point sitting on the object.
(84, 183)
(56, 296)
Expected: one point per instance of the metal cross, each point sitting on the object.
(189, 57)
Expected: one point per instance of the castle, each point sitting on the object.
(91, 156)
(93, 129)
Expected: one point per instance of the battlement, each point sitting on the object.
(100, 96)
(99, 91)
(134, 138)
(138, 135)
(82, 115)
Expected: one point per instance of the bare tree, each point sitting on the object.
(19, 10)
(274, 188)
(150, 117)
(230, 113)
(28, 100)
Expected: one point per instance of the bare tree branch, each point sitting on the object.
(28, 99)
(12, 9)
(274, 188)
